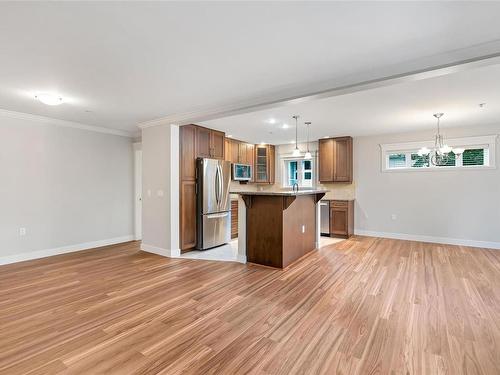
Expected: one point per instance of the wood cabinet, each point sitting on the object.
(209, 143)
(341, 218)
(234, 218)
(335, 160)
(194, 141)
(264, 164)
(240, 152)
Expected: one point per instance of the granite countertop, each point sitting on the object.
(282, 193)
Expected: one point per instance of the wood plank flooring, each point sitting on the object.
(362, 306)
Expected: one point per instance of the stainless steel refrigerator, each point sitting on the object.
(213, 209)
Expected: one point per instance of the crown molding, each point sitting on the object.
(295, 95)
(65, 123)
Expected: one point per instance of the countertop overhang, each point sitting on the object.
(285, 193)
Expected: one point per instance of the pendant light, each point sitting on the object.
(308, 153)
(296, 152)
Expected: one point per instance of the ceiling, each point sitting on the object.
(397, 108)
(122, 63)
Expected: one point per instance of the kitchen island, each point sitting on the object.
(280, 227)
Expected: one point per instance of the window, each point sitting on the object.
(298, 171)
(478, 153)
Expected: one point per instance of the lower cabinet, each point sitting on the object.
(188, 214)
(341, 218)
(234, 219)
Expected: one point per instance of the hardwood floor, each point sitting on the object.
(362, 306)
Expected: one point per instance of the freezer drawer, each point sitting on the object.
(214, 230)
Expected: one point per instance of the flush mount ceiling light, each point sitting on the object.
(442, 153)
(307, 155)
(49, 99)
(296, 152)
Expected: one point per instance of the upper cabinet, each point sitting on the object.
(240, 152)
(209, 143)
(264, 164)
(335, 160)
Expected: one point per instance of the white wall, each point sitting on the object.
(160, 190)
(70, 189)
(452, 206)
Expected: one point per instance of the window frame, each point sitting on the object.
(300, 172)
(408, 148)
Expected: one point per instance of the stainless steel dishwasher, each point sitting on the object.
(324, 218)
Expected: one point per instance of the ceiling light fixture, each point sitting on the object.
(285, 126)
(296, 152)
(229, 136)
(49, 99)
(272, 121)
(442, 153)
(308, 153)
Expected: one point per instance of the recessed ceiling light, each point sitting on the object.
(272, 121)
(49, 99)
(285, 126)
(326, 136)
(229, 136)
(263, 143)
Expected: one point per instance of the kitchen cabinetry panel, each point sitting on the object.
(326, 149)
(234, 218)
(203, 142)
(216, 144)
(188, 152)
(341, 218)
(335, 159)
(264, 164)
(188, 214)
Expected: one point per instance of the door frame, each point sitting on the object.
(137, 191)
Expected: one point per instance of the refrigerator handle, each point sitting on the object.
(217, 185)
(221, 183)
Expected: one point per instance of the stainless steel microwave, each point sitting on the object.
(242, 172)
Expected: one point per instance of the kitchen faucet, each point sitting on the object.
(295, 185)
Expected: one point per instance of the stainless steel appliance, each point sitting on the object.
(324, 208)
(213, 216)
(242, 172)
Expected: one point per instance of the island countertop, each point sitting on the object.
(282, 193)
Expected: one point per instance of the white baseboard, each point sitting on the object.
(432, 239)
(63, 250)
(241, 258)
(171, 253)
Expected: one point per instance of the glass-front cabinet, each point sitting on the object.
(264, 164)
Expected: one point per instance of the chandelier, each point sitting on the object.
(441, 154)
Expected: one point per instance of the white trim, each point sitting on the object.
(241, 258)
(296, 95)
(137, 191)
(173, 253)
(406, 147)
(431, 239)
(65, 123)
(63, 250)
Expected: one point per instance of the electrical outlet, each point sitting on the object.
(22, 232)
(303, 228)
(394, 217)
